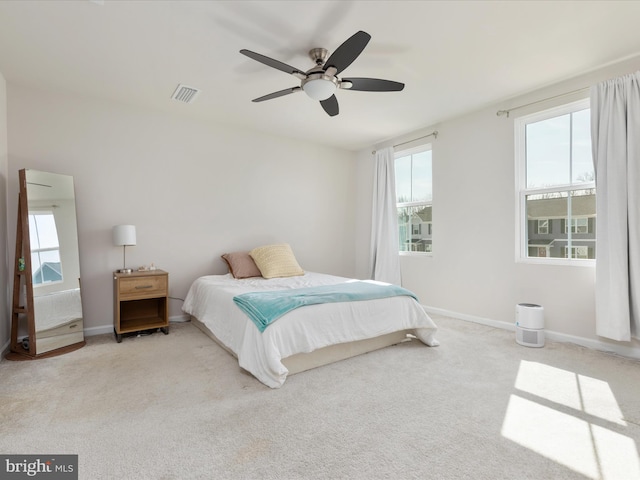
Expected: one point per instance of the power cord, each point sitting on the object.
(186, 320)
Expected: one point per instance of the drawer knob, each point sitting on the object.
(144, 286)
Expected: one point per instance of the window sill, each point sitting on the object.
(561, 262)
(416, 254)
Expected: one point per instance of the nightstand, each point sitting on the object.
(140, 302)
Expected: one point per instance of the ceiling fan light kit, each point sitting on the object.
(319, 86)
(321, 82)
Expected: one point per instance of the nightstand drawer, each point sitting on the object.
(155, 285)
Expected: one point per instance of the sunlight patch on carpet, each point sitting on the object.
(562, 419)
(563, 387)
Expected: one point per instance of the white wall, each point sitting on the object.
(4, 242)
(194, 191)
(473, 273)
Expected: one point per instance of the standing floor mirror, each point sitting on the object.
(47, 307)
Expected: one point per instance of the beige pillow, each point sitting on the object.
(241, 265)
(276, 261)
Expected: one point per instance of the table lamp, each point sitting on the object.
(123, 236)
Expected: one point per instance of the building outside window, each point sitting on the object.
(413, 170)
(556, 179)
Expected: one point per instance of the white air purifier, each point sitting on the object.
(530, 325)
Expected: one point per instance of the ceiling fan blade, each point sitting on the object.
(270, 62)
(330, 105)
(280, 93)
(346, 53)
(372, 85)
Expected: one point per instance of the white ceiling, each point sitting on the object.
(454, 57)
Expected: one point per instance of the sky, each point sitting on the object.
(559, 150)
(418, 168)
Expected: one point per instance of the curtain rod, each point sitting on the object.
(433, 134)
(506, 112)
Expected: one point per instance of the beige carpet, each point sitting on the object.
(477, 407)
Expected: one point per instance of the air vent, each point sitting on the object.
(185, 94)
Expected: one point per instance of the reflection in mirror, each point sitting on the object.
(46, 298)
(45, 247)
(55, 263)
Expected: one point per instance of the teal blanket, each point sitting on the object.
(263, 308)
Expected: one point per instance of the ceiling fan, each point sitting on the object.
(321, 82)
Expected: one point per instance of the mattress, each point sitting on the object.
(303, 330)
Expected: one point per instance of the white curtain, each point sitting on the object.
(385, 259)
(615, 136)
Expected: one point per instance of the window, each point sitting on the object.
(45, 248)
(414, 199)
(578, 252)
(543, 227)
(578, 225)
(556, 185)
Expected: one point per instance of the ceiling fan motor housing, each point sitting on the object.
(319, 55)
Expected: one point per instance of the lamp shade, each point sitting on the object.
(124, 235)
(319, 88)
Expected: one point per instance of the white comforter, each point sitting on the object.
(57, 309)
(210, 300)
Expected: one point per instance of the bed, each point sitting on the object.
(58, 319)
(305, 337)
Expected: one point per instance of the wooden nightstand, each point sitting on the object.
(140, 302)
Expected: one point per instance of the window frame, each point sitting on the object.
(425, 147)
(521, 190)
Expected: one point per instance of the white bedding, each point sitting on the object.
(57, 309)
(210, 300)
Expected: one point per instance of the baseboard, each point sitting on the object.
(5, 348)
(622, 350)
(89, 332)
(180, 319)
